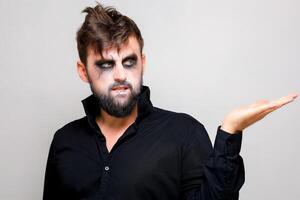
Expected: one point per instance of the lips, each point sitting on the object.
(123, 87)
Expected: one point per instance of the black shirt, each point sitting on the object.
(162, 155)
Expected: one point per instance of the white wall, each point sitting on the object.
(204, 58)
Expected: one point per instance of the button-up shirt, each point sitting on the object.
(163, 155)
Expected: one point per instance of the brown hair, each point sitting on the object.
(105, 27)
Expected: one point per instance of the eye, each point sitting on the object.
(106, 65)
(129, 63)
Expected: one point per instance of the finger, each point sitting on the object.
(261, 108)
(275, 103)
(294, 95)
(264, 101)
(271, 109)
(262, 115)
(259, 116)
(259, 102)
(283, 100)
(266, 112)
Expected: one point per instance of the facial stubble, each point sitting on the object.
(109, 103)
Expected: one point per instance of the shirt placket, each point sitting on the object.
(105, 167)
(107, 157)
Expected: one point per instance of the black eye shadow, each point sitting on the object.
(100, 63)
(130, 57)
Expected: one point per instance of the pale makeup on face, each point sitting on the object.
(116, 67)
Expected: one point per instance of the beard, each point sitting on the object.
(114, 108)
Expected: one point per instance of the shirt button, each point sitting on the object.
(106, 168)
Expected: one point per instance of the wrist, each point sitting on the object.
(229, 129)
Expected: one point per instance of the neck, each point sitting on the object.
(117, 122)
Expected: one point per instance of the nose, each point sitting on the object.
(119, 73)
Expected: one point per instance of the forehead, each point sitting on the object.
(130, 46)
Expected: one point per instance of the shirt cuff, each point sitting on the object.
(228, 144)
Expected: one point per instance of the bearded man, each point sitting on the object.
(127, 149)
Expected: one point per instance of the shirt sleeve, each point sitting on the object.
(212, 173)
(50, 181)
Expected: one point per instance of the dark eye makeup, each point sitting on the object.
(128, 62)
(104, 64)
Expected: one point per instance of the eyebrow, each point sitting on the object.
(132, 56)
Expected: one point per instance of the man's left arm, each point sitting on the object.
(218, 173)
(212, 173)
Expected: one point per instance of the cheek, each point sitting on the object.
(101, 75)
(98, 73)
(134, 77)
(100, 79)
(104, 78)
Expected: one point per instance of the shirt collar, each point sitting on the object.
(92, 107)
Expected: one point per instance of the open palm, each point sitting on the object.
(242, 117)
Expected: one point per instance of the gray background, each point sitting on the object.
(204, 58)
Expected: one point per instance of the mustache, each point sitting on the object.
(118, 84)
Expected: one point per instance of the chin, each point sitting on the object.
(120, 99)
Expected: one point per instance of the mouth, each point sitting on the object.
(120, 88)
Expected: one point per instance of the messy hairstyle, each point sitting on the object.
(104, 28)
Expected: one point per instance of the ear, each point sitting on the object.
(143, 63)
(82, 71)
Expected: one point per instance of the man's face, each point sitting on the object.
(116, 78)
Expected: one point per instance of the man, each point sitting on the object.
(127, 149)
